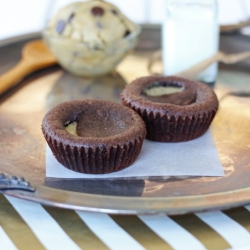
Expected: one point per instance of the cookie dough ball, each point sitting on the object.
(90, 38)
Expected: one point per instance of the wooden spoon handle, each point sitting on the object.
(157, 55)
(11, 77)
(190, 73)
(234, 58)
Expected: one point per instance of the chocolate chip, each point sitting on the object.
(71, 17)
(127, 33)
(114, 12)
(97, 11)
(76, 53)
(60, 26)
(99, 25)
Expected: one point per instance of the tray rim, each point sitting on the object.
(134, 205)
(173, 205)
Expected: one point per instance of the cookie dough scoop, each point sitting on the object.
(90, 38)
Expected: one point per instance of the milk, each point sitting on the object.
(190, 34)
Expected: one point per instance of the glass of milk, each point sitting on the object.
(190, 35)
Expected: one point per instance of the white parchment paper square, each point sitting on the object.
(198, 157)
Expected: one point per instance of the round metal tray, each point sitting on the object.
(22, 150)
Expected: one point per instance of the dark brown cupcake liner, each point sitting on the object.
(174, 129)
(92, 155)
(100, 160)
(169, 122)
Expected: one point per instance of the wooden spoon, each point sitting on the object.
(192, 72)
(35, 55)
(233, 27)
(218, 57)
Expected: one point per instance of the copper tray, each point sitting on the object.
(22, 150)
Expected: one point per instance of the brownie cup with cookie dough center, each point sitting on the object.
(174, 109)
(94, 136)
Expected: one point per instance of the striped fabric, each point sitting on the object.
(26, 225)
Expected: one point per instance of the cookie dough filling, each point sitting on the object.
(167, 92)
(158, 90)
(70, 127)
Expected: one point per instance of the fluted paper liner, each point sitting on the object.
(100, 160)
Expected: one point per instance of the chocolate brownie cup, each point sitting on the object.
(94, 136)
(173, 109)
